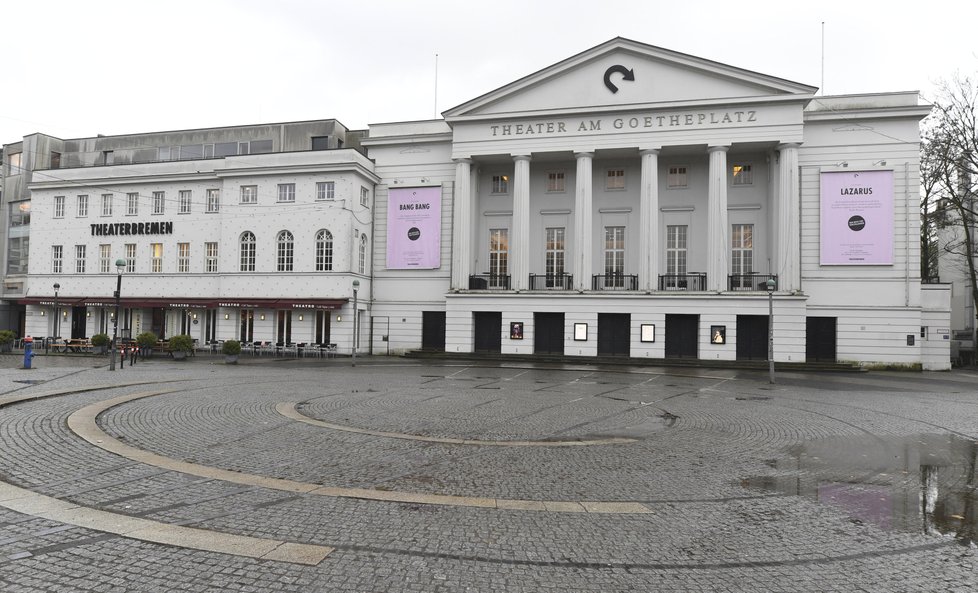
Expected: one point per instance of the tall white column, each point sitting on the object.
(462, 225)
(648, 232)
(583, 221)
(789, 219)
(519, 241)
(718, 233)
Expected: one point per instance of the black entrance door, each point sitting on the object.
(78, 318)
(682, 336)
(488, 331)
(548, 333)
(752, 337)
(820, 339)
(614, 335)
(433, 330)
(158, 326)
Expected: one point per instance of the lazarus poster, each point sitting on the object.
(857, 218)
(414, 228)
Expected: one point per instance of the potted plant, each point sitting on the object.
(231, 349)
(100, 342)
(7, 340)
(181, 346)
(146, 341)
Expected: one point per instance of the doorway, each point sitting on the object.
(488, 331)
(820, 339)
(752, 337)
(433, 330)
(682, 336)
(78, 322)
(614, 334)
(548, 333)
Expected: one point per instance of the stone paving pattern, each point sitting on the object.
(700, 434)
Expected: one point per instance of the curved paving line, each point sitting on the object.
(83, 423)
(288, 409)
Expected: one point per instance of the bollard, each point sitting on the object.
(28, 351)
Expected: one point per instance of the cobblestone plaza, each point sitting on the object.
(397, 475)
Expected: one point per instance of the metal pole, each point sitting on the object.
(770, 334)
(355, 326)
(57, 312)
(115, 323)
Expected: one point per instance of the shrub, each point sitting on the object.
(181, 343)
(146, 340)
(7, 336)
(231, 347)
(100, 340)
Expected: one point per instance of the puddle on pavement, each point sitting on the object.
(921, 484)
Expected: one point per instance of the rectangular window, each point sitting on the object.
(210, 261)
(13, 163)
(676, 178)
(742, 249)
(616, 179)
(555, 257)
(159, 202)
(742, 175)
(555, 181)
(364, 196)
(676, 238)
(186, 198)
(286, 192)
(79, 259)
(249, 194)
(498, 257)
(500, 184)
(213, 200)
(106, 204)
(614, 256)
(130, 258)
(156, 264)
(104, 258)
(57, 259)
(59, 206)
(82, 206)
(132, 204)
(325, 190)
(183, 257)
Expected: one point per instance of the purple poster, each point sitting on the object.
(857, 218)
(414, 228)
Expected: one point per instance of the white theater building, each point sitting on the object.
(628, 201)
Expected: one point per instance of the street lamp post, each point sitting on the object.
(770, 285)
(120, 265)
(356, 286)
(57, 313)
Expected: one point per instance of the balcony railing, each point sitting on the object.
(614, 282)
(489, 282)
(690, 281)
(750, 281)
(551, 282)
(930, 280)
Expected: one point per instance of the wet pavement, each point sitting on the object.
(409, 476)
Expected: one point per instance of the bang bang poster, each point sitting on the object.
(414, 228)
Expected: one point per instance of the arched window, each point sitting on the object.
(363, 254)
(324, 251)
(285, 250)
(247, 243)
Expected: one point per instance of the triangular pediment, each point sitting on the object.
(621, 74)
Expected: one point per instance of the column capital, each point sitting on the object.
(645, 151)
(788, 145)
(521, 157)
(583, 154)
(463, 160)
(718, 148)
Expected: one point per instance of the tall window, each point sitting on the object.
(325, 190)
(132, 204)
(498, 257)
(249, 194)
(156, 263)
(186, 198)
(247, 251)
(106, 204)
(210, 261)
(363, 254)
(57, 259)
(676, 245)
(743, 175)
(676, 177)
(213, 200)
(364, 196)
(324, 251)
(286, 192)
(742, 249)
(500, 184)
(555, 257)
(616, 179)
(555, 181)
(614, 256)
(130, 258)
(183, 257)
(105, 258)
(59, 206)
(286, 245)
(82, 206)
(79, 259)
(159, 202)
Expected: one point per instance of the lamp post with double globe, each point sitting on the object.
(120, 264)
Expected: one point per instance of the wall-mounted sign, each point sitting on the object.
(580, 332)
(132, 228)
(516, 330)
(856, 218)
(627, 74)
(718, 334)
(414, 228)
(648, 332)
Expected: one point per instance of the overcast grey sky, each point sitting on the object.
(78, 69)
